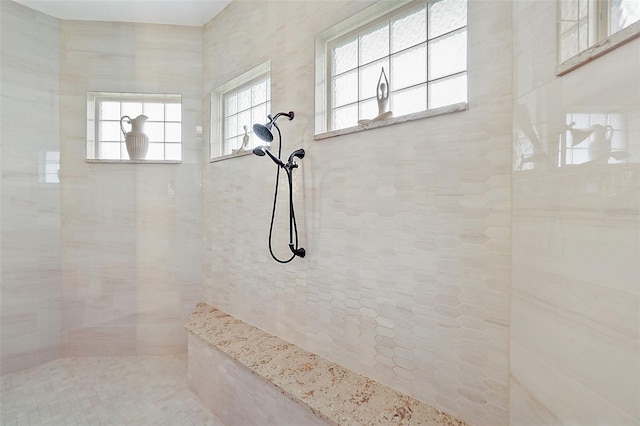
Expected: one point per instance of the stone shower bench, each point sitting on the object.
(248, 376)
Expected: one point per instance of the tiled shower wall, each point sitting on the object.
(407, 228)
(575, 325)
(132, 254)
(30, 327)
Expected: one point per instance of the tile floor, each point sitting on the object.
(137, 391)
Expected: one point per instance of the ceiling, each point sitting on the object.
(178, 12)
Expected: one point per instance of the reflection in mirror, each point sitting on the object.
(49, 167)
(593, 138)
(528, 150)
(587, 138)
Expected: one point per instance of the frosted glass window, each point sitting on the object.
(110, 150)
(345, 116)
(109, 131)
(583, 23)
(155, 111)
(417, 45)
(155, 131)
(448, 54)
(345, 56)
(409, 67)
(259, 93)
(104, 110)
(244, 99)
(132, 109)
(448, 91)
(446, 16)
(172, 132)
(409, 30)
(374, 44)
(345, 89)
(173, 112)
(409, 100)
(368, 109)
(231, 104)
(242, 107)
(110, 110)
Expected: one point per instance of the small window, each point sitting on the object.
(417, 53)
(105, 138)
(235, 107)
(590, 28)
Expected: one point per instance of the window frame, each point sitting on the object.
(369, 18)
(217, 119)
(94, 99)
(600, 40)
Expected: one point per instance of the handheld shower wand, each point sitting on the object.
(263, 131)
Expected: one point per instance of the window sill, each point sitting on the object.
(610, 43)
(462, 106)
(229, 156)
(135, 161)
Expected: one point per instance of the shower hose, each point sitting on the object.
(293, 226)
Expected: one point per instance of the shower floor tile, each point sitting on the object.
(131, 390)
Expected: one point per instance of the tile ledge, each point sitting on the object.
(134, 161)
(610, 43)
(329, 390)
(229, 156)
(462, 106)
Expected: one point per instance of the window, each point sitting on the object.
(586, 24)
(235, 107)
(422, 47)
(105, 139)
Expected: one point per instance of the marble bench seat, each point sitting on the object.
(248, 376)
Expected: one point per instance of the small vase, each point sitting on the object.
(137, 145)
(137, 141)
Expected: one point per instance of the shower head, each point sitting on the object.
(263, 131)
(260, 151)
(297, 153)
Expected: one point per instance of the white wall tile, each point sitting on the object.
(30, 207)
(405, 226)
(131, 232)
(576, 238)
